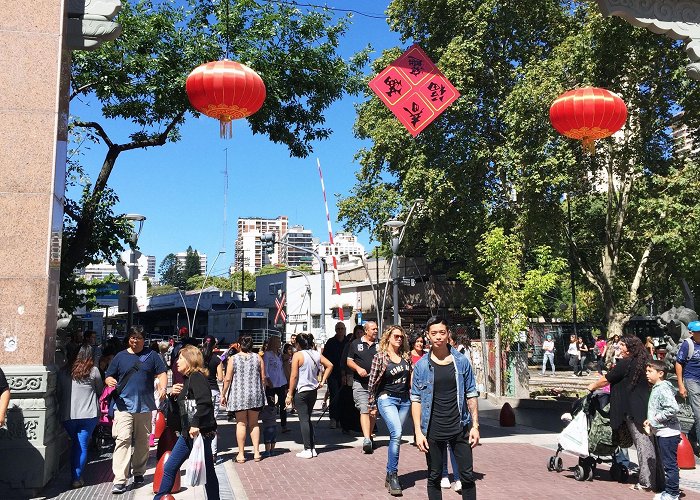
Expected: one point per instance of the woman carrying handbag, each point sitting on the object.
(197, 418)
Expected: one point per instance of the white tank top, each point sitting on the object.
(308, 372)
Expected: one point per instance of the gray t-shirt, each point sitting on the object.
(78, 398)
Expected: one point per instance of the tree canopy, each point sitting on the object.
(493, 160)
(140, 78)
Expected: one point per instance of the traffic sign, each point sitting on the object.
(139, 268)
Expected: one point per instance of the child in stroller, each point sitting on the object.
(102, 435)
(589, 436)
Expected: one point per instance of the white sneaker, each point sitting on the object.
(313, 452)
(458, 486)
(305, 454)
(445, 483)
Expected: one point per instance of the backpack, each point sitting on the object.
(691, 348)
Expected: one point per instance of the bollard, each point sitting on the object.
(158, 475)
(160, 424)
(507, 416)
(166, 442)
(686, 457)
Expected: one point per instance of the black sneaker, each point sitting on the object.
(118, 489)
(138, 480)
(367, 446)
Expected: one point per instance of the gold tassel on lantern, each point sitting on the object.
(589, 146)
(225, 127)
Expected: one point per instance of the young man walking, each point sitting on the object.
(360, 356)
(444, 409)
(688, 375)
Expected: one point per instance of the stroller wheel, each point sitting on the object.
(558, 464)
(624, 474)
(615, 471)
(550, 464)
(579, 473)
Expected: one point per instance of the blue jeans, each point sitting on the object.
(80, 431)
(668, 452)
(548, 356)
(453, 459)
(394, 411)
(180, 452)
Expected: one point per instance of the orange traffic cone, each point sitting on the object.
(160, 424)
(166, 442)
(507, 416)
(686, 457)
(158, 475)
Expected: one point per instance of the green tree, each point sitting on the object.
(192, 265)
(516, 291)
(170, 272)
(493, 159)
(140, 78)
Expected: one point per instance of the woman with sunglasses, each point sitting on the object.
(389, 380)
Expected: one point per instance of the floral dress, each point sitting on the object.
(246, 386)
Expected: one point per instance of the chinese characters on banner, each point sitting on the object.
(414, 89)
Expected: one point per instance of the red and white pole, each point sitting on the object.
(341, 316)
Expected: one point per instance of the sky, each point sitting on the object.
(179, 187)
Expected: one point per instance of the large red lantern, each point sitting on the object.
(225, 90)
(588, 114)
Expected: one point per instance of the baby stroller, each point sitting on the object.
(590, 436)
(102, 438)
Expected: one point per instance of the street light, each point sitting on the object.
(398, 229)
(395, 226)
(136, 221)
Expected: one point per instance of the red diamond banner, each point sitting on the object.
(414, 89)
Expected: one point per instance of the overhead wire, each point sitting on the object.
(335, 9)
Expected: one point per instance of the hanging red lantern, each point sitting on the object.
(588, 114)
(225, 90)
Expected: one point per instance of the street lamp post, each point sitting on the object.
(398, 229)
(395, 227)
(136, 221)
(572, 275)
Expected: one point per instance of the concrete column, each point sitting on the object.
(34, 84)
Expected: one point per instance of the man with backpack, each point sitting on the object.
(688, 374)
(132, 373)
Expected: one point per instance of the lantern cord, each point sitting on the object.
(228, 32)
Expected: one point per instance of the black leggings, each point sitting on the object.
(304, 401)
(463, 453)
(281, 393)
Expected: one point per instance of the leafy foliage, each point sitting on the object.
(171, 273)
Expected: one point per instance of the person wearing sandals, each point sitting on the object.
(388, 388)
(306, 365)
(194, 387)
(245, 377)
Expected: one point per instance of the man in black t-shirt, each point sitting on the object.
(333, 350)
(360, 357)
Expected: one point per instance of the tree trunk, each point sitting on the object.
(616, 322)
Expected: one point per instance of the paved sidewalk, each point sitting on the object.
(510, 464)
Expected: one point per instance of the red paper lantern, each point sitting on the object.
(588, 114)
(225, 90)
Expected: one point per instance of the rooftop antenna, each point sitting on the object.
(223, 243)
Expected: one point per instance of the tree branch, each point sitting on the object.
(633, 296)
(158, 140)
(98, 129)
(81, 90)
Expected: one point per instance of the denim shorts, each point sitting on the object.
(270, 434)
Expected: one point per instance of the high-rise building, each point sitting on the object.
(249, 253)
(151, 268)
(682, 139)
(103, 269)
(345, 248)
(299, 237)
(182, 257)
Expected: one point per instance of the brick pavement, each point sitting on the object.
(510, 464)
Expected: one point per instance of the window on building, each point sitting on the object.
(315, 321)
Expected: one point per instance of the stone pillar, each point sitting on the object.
(34, 86)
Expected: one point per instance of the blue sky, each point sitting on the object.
(179, 187)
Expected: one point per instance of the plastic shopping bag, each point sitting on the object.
(196, 474)
(574, 438)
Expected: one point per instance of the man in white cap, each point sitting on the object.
(688, 374)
